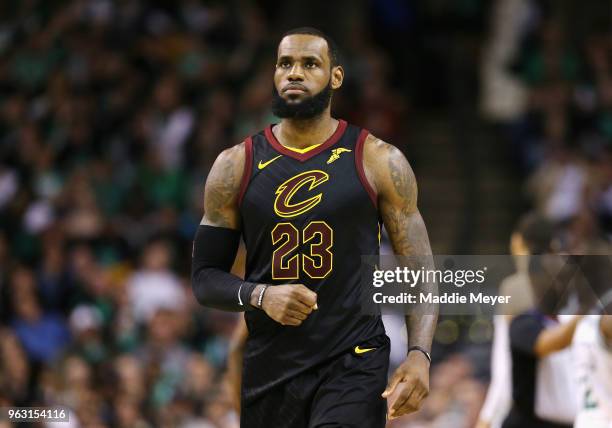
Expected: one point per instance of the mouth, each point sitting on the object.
(294, 89)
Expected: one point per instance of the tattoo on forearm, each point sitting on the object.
(408, 236)
(407, 231)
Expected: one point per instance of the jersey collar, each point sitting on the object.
(310, 153)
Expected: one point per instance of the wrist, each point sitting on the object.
(417, 353)
(256, 298)
(255, 295)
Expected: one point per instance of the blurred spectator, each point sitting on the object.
(16, 372)
(4, 266)
(602, 192)
(54, 284)
(558, 186)
(155, 286)
(127, 413)
(43, 335)
(86, 328)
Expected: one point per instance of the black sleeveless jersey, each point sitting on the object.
(306, 218)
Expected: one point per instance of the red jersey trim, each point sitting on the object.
(248, 168)
(359, 165)
(302, 157)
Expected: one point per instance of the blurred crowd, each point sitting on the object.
(565, 136)
(111, 113)
(553, 98)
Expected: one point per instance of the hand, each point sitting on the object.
(288, 304)
(411, 380)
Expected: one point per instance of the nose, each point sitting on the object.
(296, 73)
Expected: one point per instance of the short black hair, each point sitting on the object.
(537, 231)
(332, 47)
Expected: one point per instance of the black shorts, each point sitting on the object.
(344, 392)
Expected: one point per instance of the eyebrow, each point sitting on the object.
(305, 57)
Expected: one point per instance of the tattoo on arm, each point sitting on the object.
(222, 189)
(398, 194)
(404, 181)
(397, 190)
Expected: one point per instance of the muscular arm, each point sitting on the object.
(395, 183)
(215, 249)
(390, 174)
(216, 242)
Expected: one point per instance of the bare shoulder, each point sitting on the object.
(374, 145)
(223, 187)
(233, 155)
(388, 169)
(228, 168)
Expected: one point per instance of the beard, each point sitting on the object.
(308, 108)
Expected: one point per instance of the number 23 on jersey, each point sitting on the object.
(316, 260)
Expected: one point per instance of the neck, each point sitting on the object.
(302, 133)
(521, 262)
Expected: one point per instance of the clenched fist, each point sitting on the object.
(287, 304)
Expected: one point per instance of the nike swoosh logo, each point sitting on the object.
(262, 165)
(359, 350)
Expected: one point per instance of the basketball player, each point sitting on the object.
(307, 195)
(592, 349)
(593, 363)
(529, 237)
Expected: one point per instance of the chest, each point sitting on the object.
(282, 188)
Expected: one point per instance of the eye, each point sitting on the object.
(284, 64)
(310, 64)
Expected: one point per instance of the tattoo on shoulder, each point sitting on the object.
(223, 186)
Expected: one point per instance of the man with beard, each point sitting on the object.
(306, 195)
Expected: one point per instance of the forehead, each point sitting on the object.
(299, 45)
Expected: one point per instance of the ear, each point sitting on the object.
(337, 76)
